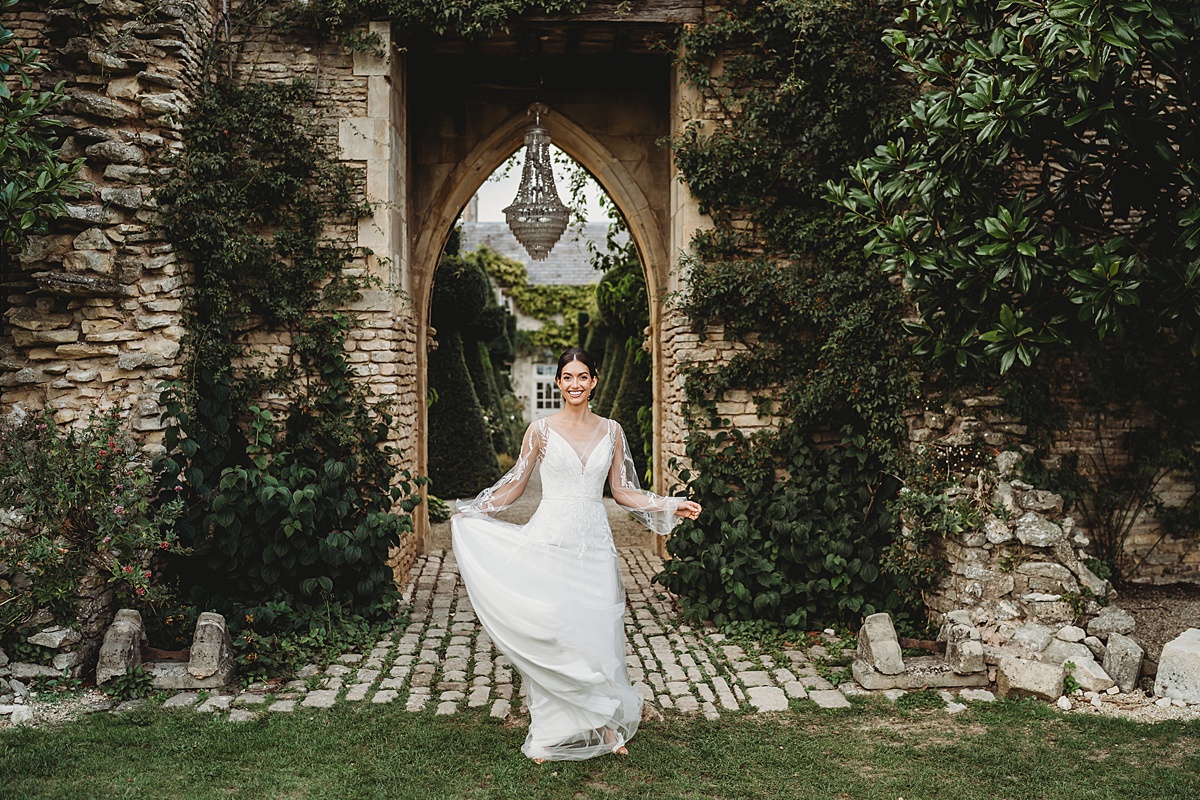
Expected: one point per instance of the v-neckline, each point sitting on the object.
(597, 439)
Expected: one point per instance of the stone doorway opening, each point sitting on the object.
(612, 94)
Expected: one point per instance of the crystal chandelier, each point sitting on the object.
(537, 218)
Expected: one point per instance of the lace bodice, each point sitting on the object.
(575, 469)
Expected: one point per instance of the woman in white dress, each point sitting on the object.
(549, 593)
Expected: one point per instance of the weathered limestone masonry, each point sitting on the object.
(93, 313)
(1025, 561)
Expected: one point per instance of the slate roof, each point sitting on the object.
(569, 262)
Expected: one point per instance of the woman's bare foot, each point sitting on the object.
(610, 738)
(539, 761)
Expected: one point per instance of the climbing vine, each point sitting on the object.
(798, 514)
(294, 502)
(546, 303)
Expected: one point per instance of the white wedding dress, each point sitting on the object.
(549, 592)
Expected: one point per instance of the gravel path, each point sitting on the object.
(1161, 612)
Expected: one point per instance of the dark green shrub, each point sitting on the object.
(634, 394)
(461, 459)
(296, 504)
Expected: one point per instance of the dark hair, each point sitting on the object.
(575, 354)
(580, 355)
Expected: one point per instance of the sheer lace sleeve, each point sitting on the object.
(655, 512)
(512, 484)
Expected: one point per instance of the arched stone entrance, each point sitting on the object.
(459, 110)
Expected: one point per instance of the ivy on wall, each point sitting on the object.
(291, 498)
(546, 303)
(797, 516)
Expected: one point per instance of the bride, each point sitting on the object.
(549, 593)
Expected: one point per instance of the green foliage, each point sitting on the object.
(135, 684)
(545, 303)
(33, 180)
(1070, 682)
(295, 501)
(795, 518)
(927, 516)
(13, 641)
(461, 460)
(337, 18)
(1040, 191)
(439, 509)
(276, 641)
(794, 552)
(84, 500)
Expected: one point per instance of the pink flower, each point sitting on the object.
(141, 590)
(106, 540)
(147, 574)
(119, 510)
(127, 569)
(164, 545)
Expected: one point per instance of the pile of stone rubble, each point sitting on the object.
(1091, 663)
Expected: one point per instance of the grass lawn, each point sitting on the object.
(874, 750)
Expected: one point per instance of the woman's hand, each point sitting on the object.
(688, 509)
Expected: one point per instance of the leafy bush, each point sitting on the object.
(796, 516)
(1039, 192)
(294, 501)
(135, 684)
(76, 500)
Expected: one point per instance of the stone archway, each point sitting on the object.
(464, 122)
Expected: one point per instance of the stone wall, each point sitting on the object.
(93, 311)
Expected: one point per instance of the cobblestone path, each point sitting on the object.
(442, 659)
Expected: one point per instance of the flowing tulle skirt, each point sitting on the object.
(549, 594)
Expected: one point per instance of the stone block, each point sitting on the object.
(925, 672)
(767, 698)
(55, 638)
(34, 338)
(116, 153)
(878, 646)
(829, 698)
(1034, 530)
(99, 105)
(1091, 677)
(97, 261)
(173, 676)
(1060, 652)
(1111, 619)
(1179, 668)
(1123, 661)
(24, 672)
(1021, 677)
(965, 656)
(122, 646)
(129, 199)
(1041, 501)
(1070, 633)
(1033, 636)
(1095, 645)
(31, 320)
(212, 649)
(997, 530)
(92, 239)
